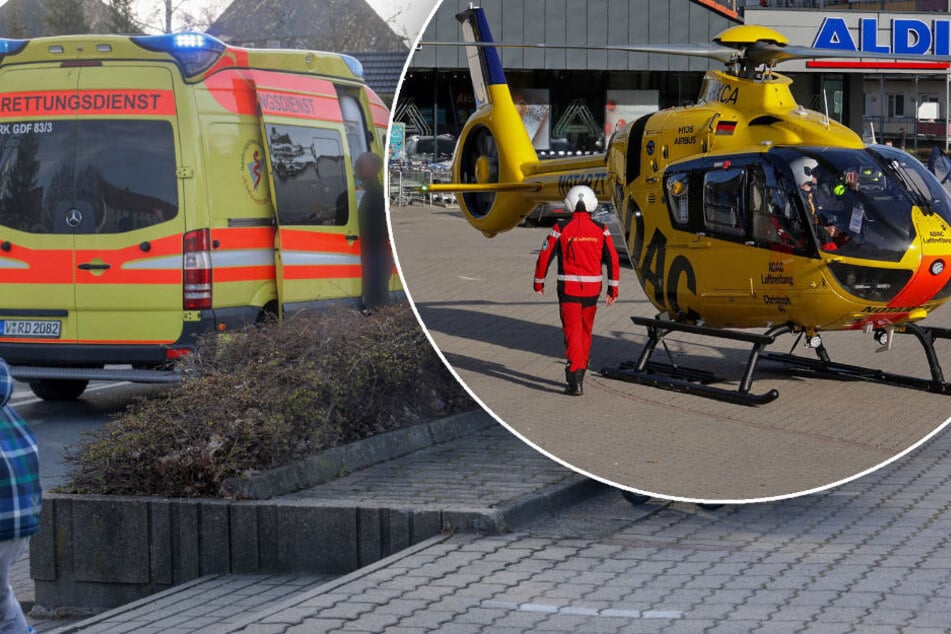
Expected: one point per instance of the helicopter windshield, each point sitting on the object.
(859, 202)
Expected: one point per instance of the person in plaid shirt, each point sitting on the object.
(20, 500)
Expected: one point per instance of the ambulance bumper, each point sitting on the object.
(56, 356)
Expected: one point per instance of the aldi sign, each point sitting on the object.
(902, 36)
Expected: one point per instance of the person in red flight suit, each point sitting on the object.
(582, 247)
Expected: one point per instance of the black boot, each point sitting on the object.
(579, 379)
(573, 389)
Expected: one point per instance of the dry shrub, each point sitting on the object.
(266, 397)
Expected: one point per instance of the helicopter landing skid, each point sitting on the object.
(691, 380)
(823, 367)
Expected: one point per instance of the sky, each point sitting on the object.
(412, 13)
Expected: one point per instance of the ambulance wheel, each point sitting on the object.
(59, 389)
(635, 498)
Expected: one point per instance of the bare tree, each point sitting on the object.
(15, 27)
(173, 15)
(394, 22)
(200, 18)
(345, 31)
(65, 17)
(121, 17)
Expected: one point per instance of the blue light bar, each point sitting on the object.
(194, 52)
(11, 47)
(354, 65)
(189, 40)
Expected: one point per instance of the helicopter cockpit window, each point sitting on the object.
(678, 198)
(776, 218)
(925, 186)
(723, 202)
(855, 201)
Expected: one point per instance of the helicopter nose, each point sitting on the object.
(932, 277)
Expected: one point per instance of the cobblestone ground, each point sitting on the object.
(873, 556)
(480, 471)
(196, 606)
(506, 343)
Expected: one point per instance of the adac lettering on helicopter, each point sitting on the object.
(909, 36)
(936, 237)
(594, 181)
(718, 92)
(653, 269)
(777, 276)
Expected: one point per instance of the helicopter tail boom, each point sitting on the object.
(495, 169)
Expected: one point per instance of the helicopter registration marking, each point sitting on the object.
(719, 92)
(594, 181)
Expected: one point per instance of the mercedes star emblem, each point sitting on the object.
(74, 218)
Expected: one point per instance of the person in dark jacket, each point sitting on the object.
(377, 260)
(20, 500)
(582, 247)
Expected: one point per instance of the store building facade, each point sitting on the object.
(569, 97)
(899, 99)
(573, 99)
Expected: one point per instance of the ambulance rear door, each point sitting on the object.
(37, 267)
(317, 250)
(129, 241)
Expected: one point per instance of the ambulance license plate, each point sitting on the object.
(30, 328)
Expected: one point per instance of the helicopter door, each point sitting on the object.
(726, 218)
(776, 221)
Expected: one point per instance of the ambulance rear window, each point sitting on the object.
(310, 175)
(119, 175)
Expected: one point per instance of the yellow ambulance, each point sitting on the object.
(155, 188)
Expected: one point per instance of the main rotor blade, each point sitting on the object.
(771, 53)
(710, 51)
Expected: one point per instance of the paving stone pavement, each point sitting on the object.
(489, 475)
(474, 295)
(199, 604)
(873, 556)
(483, 470)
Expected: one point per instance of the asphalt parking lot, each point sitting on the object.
(474, 295)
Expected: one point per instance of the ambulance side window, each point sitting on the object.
(310, 175)
(354, 124)
(356, 128)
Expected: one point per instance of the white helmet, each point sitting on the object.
(804, 169)
(581, 194)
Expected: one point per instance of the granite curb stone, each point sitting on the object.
(330, 529)
(337, 461)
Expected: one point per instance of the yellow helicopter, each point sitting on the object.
(745, 210)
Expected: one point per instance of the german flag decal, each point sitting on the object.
(726, 128)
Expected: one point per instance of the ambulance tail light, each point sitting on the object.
(196, 291)
(194, 52)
